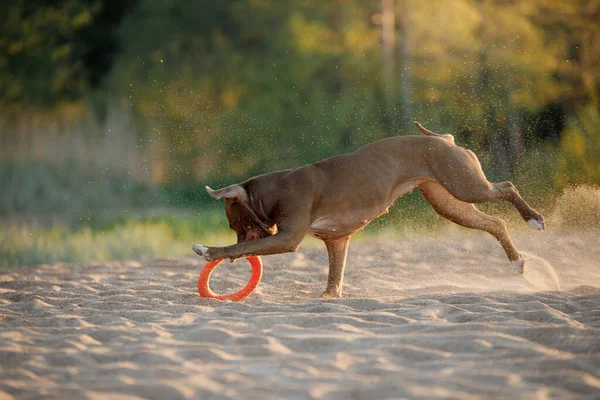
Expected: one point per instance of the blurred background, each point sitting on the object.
(114, 114)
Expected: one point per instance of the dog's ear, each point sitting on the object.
(254, 206)
(236, 192)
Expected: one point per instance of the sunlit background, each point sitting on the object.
(115, 114)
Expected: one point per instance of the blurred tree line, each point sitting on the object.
(230, 88)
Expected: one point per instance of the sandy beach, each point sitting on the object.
(429, 317)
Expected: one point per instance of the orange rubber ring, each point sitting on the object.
(204, 288)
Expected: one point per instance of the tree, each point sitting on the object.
(56, 51)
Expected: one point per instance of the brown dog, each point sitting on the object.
(333, 198)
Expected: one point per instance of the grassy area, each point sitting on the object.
(69, 214)
(96, 239)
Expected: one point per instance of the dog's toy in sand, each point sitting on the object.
(204, 288)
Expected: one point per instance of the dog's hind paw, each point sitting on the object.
(519, 265)
(331, 295)
(536, 224)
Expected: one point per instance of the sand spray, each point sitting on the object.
(539, 273)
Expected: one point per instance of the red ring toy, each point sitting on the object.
(204, 288)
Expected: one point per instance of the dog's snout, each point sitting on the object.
(248, 235)
(251, 234)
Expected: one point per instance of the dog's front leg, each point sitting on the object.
(337, 249)
(282, 242)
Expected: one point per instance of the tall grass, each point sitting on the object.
(36, 188)
(32, 243)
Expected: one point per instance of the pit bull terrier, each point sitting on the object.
(334, 198)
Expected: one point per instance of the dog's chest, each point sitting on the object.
(341, 225)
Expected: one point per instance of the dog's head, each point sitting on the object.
(246, 217)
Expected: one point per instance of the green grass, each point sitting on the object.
(95, 239)
(71, 214)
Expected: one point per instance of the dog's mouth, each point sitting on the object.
(254, 234)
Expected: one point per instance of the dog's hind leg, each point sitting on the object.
(463, 177)
(507, 191)
(504, 191)
(467, 215)
(337, 250)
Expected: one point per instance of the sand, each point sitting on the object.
(430, 317)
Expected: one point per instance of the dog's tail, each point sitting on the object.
(427, 132)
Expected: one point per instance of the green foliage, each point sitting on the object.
(228, 96)
(233, 96)
(579, 161)
(52, 52)
(41, 54)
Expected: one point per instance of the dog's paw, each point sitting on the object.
(537, 223)
(202, 251)
(331, 295)
(518, 265)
